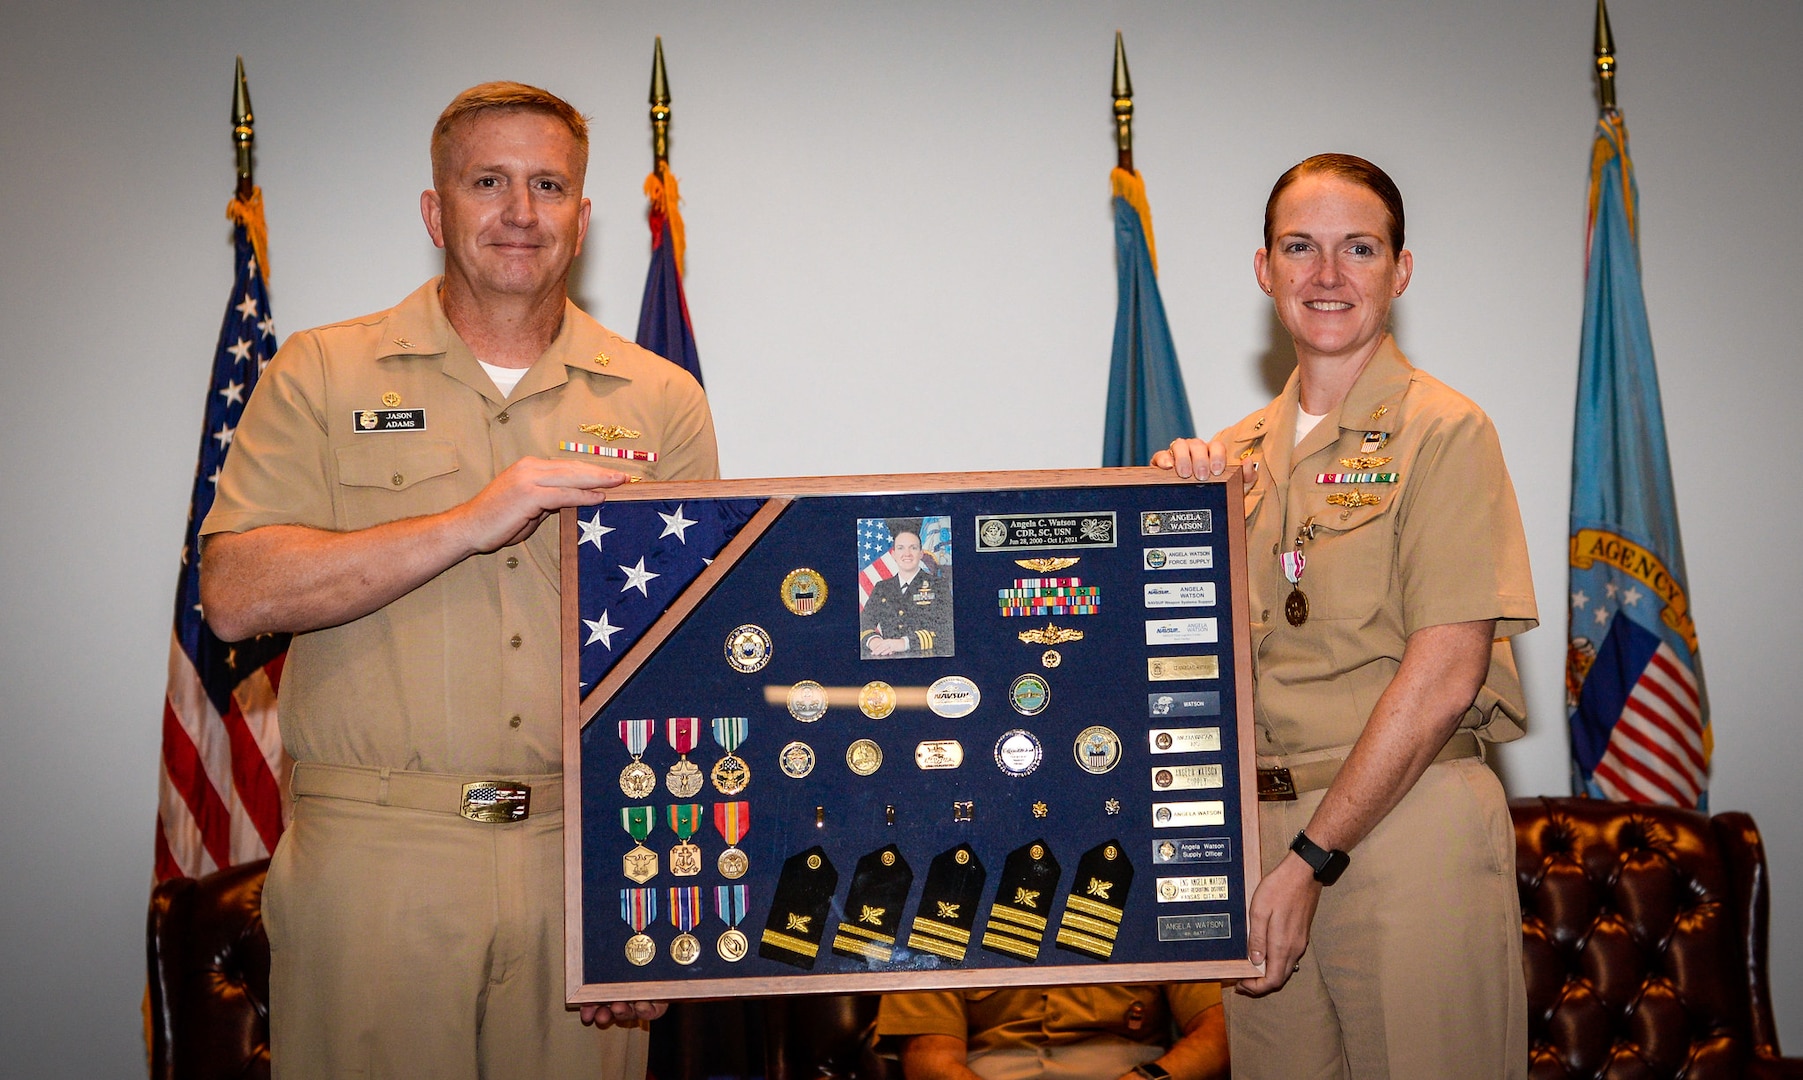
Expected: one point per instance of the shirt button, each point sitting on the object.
(1265, 615)
(502, 418)
(514, 720)
(513, 562)
(398, 480)
(514, 641)
(1277, 548)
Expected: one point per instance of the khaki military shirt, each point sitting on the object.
(1442, 544)
(389, 417)
(1040, 1016)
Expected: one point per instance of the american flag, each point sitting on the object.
(634, 559)
(222, 795)
(874, 560)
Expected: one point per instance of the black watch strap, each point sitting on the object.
(1327, 865)
(1151, 1070)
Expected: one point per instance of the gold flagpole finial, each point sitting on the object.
(1605, 58)
(660, 105)
(244, 133)
(1123, 106)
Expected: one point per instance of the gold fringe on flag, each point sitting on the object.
(660, 188)
(249, 213)
(1128, 185)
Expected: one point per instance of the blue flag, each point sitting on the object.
(1633, 679)
(664, 326)
(1147, 407)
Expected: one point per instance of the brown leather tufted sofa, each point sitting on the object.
(1644, 942)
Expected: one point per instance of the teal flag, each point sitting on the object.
(1147, 406)
(1634, 681)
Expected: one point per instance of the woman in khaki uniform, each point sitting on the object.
(1387, 568)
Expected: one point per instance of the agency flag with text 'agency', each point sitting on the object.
(664, 325)
(1147, 406)
(1633, 679)
(222, 793)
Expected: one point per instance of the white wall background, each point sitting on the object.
(873, 192)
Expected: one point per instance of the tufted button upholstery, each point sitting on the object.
(1644, 942)
(209, 977)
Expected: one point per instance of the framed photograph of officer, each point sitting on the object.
(905, 587)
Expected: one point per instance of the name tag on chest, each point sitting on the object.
(364, 421)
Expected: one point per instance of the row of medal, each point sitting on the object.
(730, 775)
(731, 819)
(638, 907)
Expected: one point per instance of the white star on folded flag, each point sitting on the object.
(675, 525)
(637, 577)
(600, 630)
(233, 392)
(248, 308)
(592, 530)
(240, 350)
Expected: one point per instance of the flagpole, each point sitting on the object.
(1123, 106)
(244, 134)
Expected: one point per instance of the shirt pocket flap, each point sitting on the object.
(396, 465)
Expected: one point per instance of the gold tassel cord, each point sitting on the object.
(1613, 143)
(660, 188)
(249, 213)
(1129, 186)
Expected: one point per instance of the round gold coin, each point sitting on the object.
(733, 863)
(732, 946)
(1050, 658)
(864, 757)
(796, 759)
(683, 779)
(685, 949)
(804, 591)
(807, 701)
(731, 775)
(640, 950)
(877, 699)
(638, 780)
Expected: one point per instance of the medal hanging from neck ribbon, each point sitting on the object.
(639, 908)
(1295, 607)
(640, 863)
(684, 778)
(729, 901)
(685, 858)
(731, 775)
(733, 819)
(638, 780)
(685, 912)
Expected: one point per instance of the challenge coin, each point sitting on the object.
(1029, 695)
(748, 648)
(1098, 749)
(953, 696)
(1018, 752)
(876, 700)
(796, 759)
(939, 754)
(864, 757)
(807, 701)
(804, 591)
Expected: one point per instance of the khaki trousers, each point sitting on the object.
(1102, 1058)
(414, 943)
(1413, 968)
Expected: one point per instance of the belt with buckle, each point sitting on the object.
(1285, 784)
(490, 801)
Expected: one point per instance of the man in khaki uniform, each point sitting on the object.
(1387, 569)
(383, 503)
(1048, 1033)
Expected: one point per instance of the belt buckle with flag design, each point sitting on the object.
(495, 802)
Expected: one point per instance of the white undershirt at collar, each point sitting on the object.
(1305, 421)
(506, 378)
